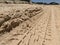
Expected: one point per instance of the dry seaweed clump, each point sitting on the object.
(30, 12)
(13, 18)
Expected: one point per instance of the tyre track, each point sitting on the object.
(32, 35)
(28, 33)
(57, 24)
(47, 36)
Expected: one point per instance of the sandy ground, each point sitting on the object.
(43, 28)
